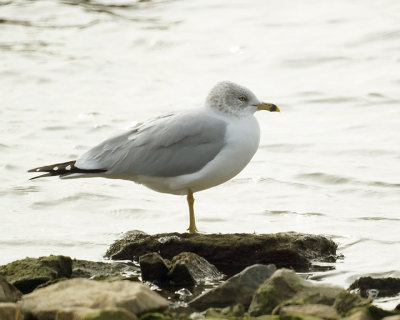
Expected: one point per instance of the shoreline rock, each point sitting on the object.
(377, 287)
(230, 253)
(259, 292)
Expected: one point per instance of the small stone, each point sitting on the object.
(189, 269)
(286, 285)
(316, 310)
(28, 273)
(134, 297)
(237, 289)
(154, 267)
(8, 293)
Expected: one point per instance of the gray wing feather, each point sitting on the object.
(168, 146)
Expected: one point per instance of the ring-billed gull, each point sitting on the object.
(179, 153)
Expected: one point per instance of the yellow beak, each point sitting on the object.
(267, 106)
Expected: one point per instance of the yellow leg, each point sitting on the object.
(192, 224)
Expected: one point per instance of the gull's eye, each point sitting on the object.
(242, 98)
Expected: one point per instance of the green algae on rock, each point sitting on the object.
(31, 273)
(230, 253)
(28, 273)
(285, 286)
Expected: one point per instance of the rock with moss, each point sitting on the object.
(357, 315)
(315, 310)
(383, 287)
(236, 310)
(28, 273)
(237, 289)
(156, 316)
(230, 253)
(110, 314)
(286, 287)
(371, 312)
(82, 313)
(8, 293)
(346, 301)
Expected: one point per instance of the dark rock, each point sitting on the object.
(154, 267)
(385, 286)
(230, 253)
(285, 287)
(101, 270)
(28, 273)
(188, 269)
(237, 289)
(8, 293)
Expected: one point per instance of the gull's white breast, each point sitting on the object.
(241, 143)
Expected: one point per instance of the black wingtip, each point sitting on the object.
(64, 168)
(41, 176)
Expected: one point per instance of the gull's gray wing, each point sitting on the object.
(167, 146)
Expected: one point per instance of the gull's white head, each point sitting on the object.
(228, 97)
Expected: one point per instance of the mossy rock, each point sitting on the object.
(345, 301)
(156, 316)
(230, 253)
(373, 312)
(28, 273)
(286, 287)
(117, 314)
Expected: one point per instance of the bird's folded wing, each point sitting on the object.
(168, 146)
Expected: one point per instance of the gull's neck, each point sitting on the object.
(227, 112)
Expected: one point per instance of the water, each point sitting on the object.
(73, 73)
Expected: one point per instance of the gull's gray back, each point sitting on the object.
(168, 146)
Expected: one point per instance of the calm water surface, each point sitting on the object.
(73, 73)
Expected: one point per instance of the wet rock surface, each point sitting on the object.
(378, 287)
(230, 253)
(238, 289)
(193, 286)
(154, 268)
(189, 269)
(185, 269)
